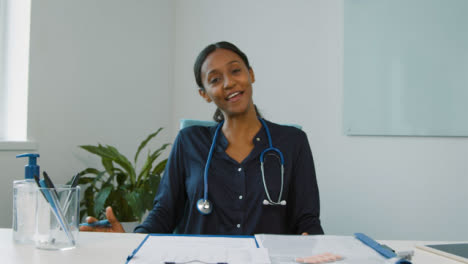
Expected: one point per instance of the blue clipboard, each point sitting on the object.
(377, 247)
(149, 235)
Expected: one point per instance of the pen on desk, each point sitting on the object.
(101, 223)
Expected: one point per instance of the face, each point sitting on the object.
(227, 82)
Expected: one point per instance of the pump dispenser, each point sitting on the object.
(24, 202)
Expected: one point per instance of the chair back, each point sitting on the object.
(193, 122)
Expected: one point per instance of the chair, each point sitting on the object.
(193, 122)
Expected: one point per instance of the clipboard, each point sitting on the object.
(458, 251)
(152, 243)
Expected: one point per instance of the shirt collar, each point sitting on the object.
(260, 141)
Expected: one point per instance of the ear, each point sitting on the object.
(252, 75)
(204, 95)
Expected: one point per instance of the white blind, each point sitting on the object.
(3, 21)
(14, 61)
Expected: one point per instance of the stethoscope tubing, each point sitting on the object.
(208, 161)
(205, 205)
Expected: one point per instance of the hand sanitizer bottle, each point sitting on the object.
(24, 202)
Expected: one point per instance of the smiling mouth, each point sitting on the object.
(234, 96)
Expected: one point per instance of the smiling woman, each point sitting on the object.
(237, 66)
(259, 176)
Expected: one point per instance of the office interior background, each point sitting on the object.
(113, 71)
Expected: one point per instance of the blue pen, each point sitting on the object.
(101, 223)
(73, 184)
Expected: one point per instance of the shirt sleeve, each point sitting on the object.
(304, 195)
(170, 199)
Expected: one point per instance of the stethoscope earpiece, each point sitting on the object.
(266, 202)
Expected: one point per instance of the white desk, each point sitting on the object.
(114, 248)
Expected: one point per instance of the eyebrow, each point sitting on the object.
(216, 70)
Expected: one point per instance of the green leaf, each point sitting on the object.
(98, 150)
(144, 142)
(149, 164)
(88, 171)
(145, 170)
(159, 168)
(153, 183)
(85, 180)
(89, 201)
(123, 210)
(98, 178)
(123, 162)
(134, 202)
(108, 165)
(101, 198)
(121, 178)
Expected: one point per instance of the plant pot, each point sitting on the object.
(129, 226)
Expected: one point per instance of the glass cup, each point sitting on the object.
(57, 217)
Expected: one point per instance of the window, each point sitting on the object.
(14, 61)
(2, 71)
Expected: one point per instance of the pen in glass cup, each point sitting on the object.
(73, 184)
(48, 190)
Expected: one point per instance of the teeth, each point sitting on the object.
(232, 95)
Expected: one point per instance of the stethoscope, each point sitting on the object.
(205, 207)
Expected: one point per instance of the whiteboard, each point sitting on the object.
(405, 67)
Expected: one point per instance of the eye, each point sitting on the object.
(236, 70)
(214, 80)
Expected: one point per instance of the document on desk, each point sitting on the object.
(199, 249)
(284, 249)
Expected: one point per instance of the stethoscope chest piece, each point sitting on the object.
(204, 206)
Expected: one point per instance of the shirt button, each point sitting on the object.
(239, 169)
(238, 225)
(258, 139)
(240, 197)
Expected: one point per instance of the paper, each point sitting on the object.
(200, 249)
(284, 249)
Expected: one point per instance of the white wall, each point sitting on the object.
(389, 187)
(112, 71)
(100, 71)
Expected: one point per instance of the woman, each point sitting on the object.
(242, 202)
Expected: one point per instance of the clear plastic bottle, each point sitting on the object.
(24, 203)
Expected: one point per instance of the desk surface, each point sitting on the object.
(114, 248)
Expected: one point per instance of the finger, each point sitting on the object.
(91, 219)
(94, 229)
(115, 224)
(110, 216)
(305, 234)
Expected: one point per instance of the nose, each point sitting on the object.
(229, 82)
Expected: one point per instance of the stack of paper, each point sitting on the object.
(199, 249)
(285, 249)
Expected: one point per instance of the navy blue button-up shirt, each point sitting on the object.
(236, 190)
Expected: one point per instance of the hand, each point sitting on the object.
(305, 234)
(115, 227)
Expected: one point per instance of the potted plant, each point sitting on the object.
(119, 185)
